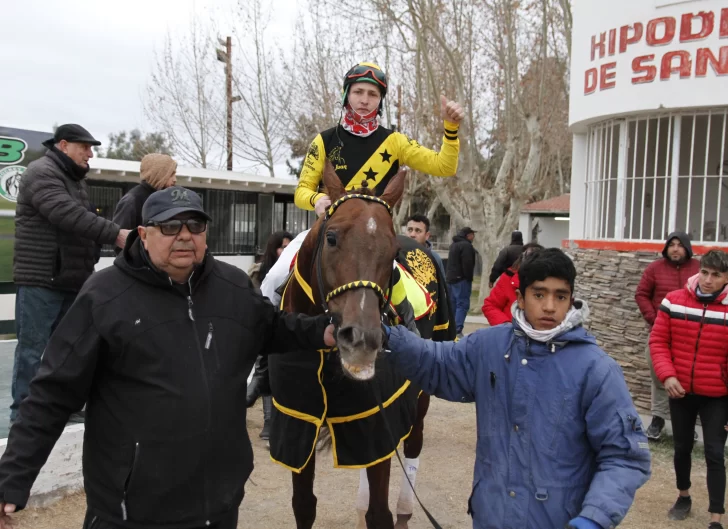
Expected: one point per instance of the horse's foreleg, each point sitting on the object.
(362, 499)
(379, 516)
(304, 500)
(412, 449)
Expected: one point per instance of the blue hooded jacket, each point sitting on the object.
(558, 434)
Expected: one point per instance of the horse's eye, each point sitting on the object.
(331, 238)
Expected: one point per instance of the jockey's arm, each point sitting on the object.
(443, 163)
(306, 194)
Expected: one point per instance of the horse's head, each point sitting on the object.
(358, 245)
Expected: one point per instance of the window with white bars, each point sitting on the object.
(647, 176)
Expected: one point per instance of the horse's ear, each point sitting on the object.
(334, 187)
(395, 188)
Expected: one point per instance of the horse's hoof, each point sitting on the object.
(361, 522)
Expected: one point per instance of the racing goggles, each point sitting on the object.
(361, 72)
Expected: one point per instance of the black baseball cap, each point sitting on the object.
(167, 203)
(467, 230)
(72, 134)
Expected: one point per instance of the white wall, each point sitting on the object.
(577, 188)
(592, 18)
(524, 226)
(552, 232)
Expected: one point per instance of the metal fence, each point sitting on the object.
(650, 175)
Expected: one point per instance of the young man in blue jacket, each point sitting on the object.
(560, 443)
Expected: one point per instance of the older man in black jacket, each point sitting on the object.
(56, 241)
(158, 346)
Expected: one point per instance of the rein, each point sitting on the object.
(325, 298)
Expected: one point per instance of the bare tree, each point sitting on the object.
(183, 97)
(478, 52)
(259, 123)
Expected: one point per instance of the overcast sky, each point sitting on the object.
(88, 61)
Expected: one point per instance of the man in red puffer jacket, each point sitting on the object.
(689, 348)
(659, 278)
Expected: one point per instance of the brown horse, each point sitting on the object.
(344, 267)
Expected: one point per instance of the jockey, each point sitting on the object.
(362, 150)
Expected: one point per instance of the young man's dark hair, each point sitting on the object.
(550, 262)
(420, 218)
(715, 260)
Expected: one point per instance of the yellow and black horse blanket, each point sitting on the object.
(310, 390)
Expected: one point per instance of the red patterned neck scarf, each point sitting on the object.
(359, 125)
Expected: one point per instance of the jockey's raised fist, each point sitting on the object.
(451, 110)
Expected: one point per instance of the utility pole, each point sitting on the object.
(226, 57)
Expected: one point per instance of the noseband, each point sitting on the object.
(371, 285)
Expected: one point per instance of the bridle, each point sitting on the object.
(324, 297)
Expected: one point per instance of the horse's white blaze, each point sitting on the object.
(363, 299)
(372, 226)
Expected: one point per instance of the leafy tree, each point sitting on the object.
(133, 145)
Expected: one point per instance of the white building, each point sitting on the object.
(649, 96)
(546, 222)
(649, 102)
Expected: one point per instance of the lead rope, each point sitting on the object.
(396, 451)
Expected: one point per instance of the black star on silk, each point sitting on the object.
(371, 174)
(385, 155)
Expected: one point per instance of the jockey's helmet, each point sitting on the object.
(366, 72)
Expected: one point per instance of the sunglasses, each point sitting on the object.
(366, 71)
(173, 227)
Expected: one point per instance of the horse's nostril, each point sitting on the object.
(350, 335)
(345, 334)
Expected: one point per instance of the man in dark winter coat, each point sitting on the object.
(56, 245)
(156, 171)
(460, 268)
(506, 257)
(158, 346)
(659, 278)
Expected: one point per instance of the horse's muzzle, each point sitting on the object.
(358, 349)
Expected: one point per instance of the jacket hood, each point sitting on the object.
(692, 286)
(460, 238)
(684, 239)
(134, 261)
(517, 238)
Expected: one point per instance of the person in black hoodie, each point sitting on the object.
(159, 347)
(459, 276)
(506, 258)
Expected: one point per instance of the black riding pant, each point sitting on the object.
(713, 412)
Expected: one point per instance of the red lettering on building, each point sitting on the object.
(591, 79)
(705, 56)
(598, 44)
(606, 78)
(624, 38)
(612, 42)
(724, 23)
(707, 21)
(649, 70)
(651, 35)
(684, 66)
